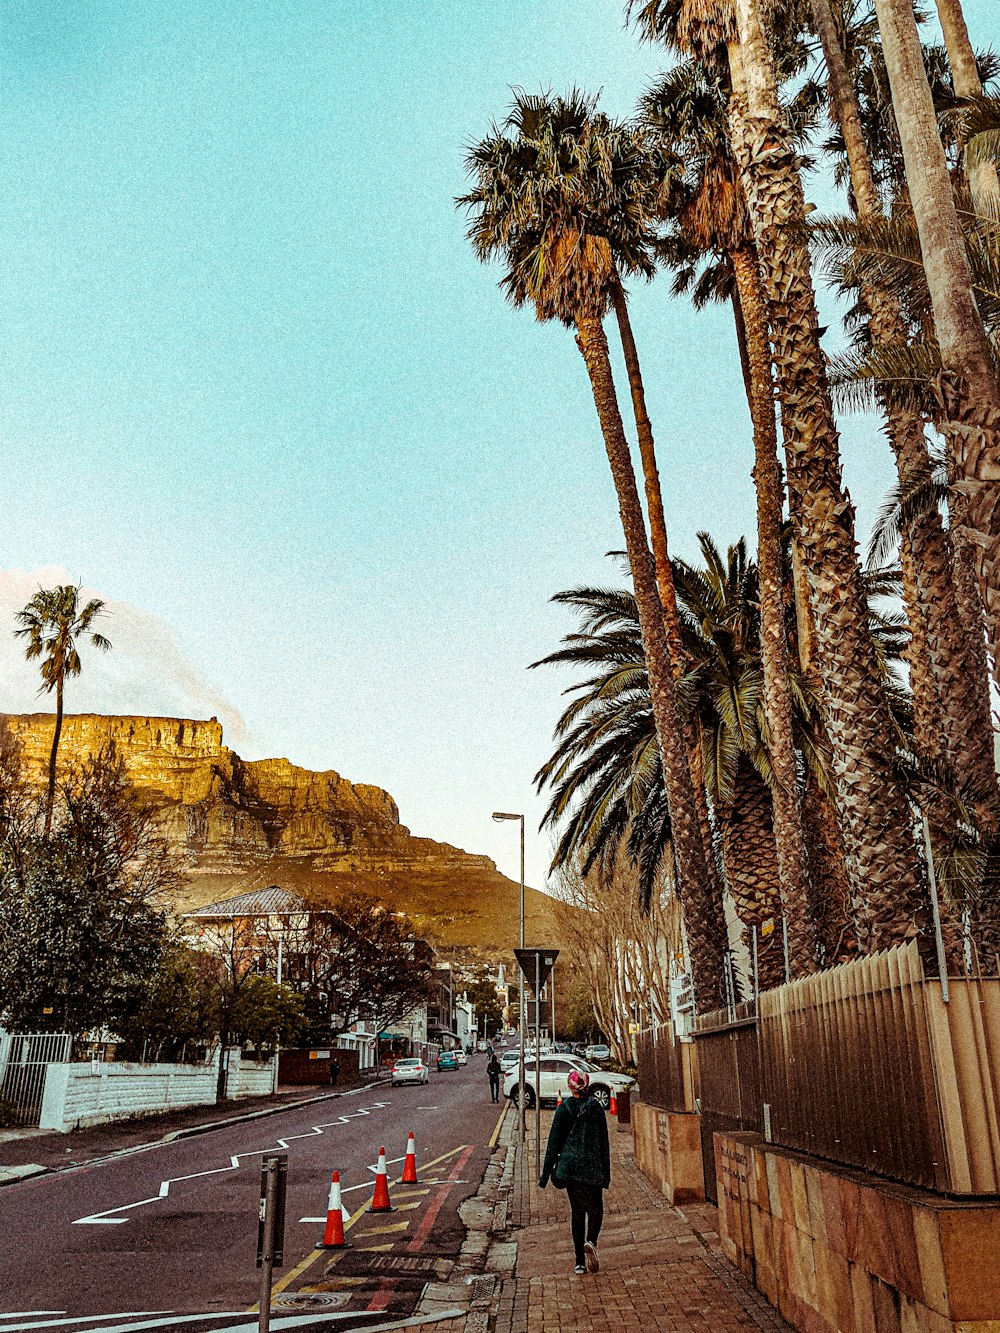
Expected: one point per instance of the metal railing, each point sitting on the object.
(24, 1059)
(869, 1065)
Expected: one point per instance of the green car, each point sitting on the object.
(447, 1060)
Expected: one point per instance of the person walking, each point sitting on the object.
(493, 1070)
(578, 1159)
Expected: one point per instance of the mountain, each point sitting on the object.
(237, 824)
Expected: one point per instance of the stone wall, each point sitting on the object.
(668, 1151)
(837, 1251)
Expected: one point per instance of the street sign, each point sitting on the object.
(270, 1229)
(536, 964)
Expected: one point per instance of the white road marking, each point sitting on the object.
(28, 1314)
(107, 1218)
(88, 1319)
(291, 1321)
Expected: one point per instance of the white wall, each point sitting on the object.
(95, 1093)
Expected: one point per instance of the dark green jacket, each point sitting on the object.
(578, 1145)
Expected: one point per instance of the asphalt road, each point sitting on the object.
(166, 1237)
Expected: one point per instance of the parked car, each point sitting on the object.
(461, 1057)
(597, 1053)
(555, 1070)
(447, 1060)
(410, 1071)
(510, 1060)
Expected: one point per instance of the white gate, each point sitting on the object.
(24, 1058)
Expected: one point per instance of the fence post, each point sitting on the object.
(935, 911)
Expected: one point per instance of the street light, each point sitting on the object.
(500, 816)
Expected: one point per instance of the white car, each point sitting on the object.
(598, 1053)
(509, 1060)
(410, 1071)
(555, 1070)
(461, 1057)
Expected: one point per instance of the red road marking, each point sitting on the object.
(381, 1298)
(430, 1217)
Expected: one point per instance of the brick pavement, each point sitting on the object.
(661, 1267)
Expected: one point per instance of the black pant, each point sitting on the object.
(587, 1205)
(495, 1087)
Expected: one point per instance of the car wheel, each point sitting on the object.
(529, 1096)
(603, 1097)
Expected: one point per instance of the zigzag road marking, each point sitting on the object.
(108, 1218)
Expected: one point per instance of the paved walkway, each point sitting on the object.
(661, 1267)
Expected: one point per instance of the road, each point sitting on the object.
(166, 1237)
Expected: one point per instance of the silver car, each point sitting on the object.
(410, 1071)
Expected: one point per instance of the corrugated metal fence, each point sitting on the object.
(867, 1065)
(666, 1069)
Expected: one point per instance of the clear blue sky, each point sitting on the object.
(253, 384)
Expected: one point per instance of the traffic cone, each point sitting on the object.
(613, 1108)
(380, 1200)
(333, 1236)
(559, 1101)
(409, 1176)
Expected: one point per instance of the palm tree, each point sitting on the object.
(52, 622)
(884, 866)
(951, 704)
(563, 197)
(983, 181)
(687, 109)
(968, 387)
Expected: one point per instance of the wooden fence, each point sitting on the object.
(666, 1069)
(867, 1064)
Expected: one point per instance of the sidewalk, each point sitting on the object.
(661, 1266)
(32, 1152)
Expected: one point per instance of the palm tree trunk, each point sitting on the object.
(968, 390)
(887, 884)
(789, 835)
(828, 874)
(53, 754)
(950, 687)
(707, 941)
(664, 572)
(983, 181)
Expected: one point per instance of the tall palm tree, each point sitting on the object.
(52, 622)
(886, 876)
(687, 109)
(969, 388)
(564, 197)
(983, 181)
(951, 705)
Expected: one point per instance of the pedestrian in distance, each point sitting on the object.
(493, 1070)
(578, 1159)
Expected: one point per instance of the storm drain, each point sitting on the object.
(324, 1299)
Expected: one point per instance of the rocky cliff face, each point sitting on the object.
(236, 824)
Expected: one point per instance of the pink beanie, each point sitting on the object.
(577, 1080)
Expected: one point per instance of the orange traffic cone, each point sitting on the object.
(333, 1236)
(409, 1176)
(613, 1108)
(559, 1101)
(380, 1200)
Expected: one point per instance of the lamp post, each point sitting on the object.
(500, 816)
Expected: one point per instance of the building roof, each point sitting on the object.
(272, 901)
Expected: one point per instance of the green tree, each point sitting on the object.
(266, 1014)
(52, 622)
(82, 923)
(177, 1010)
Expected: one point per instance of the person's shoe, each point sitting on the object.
(590, 1251)
(580, 1270)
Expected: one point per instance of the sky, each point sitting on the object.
(256, 392)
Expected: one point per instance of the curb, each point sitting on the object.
(15, 1174)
